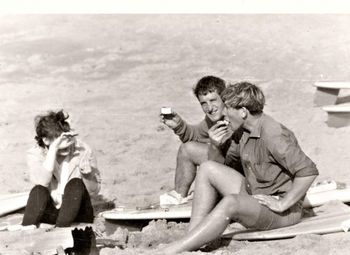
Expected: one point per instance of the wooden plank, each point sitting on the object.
(35, 241)
(42, 240)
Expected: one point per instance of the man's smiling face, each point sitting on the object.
(212, 105)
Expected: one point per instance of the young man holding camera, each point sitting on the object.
(195, 138)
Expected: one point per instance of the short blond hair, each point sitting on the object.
(244, 94)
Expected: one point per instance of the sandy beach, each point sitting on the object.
(112, 73)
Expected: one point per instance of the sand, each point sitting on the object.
(112, 73)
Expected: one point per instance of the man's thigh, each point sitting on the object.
(197, 152)
(254, 215)
(225, 179)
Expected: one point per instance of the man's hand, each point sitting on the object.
(172, 122)
(271, 202)
(219, 133)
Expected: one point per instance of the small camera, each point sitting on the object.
(167, 112)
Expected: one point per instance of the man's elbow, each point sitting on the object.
(307, 171)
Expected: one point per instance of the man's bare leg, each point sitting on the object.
(208, 223)
(241, 207)
(213, 179)
(190, 155)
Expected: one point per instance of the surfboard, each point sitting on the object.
(322, 224)
(338, 115)
(319, 194)
(13, 202)
(327, 92)
(324, 191)
(182, 211)
(332, 85)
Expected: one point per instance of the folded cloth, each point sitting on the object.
(174, 198)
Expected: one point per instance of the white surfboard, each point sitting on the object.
(327, 92)
(322, 192)
(167, 212)
(319, 194)
(321, 224)
(13, 202)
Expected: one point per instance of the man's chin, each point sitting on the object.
(215, 118)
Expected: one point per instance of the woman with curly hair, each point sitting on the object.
(64, 172)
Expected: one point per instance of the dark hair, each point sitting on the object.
(51, 126)
(209, 84)
(244, 94)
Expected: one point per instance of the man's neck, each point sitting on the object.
(251, 121)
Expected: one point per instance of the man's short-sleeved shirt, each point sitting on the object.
(271, 158)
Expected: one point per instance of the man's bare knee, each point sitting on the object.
(183, 150)
(230, 204)
(192, 151)
(189, 147)
(208, 168)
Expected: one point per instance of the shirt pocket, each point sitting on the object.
(265, 172)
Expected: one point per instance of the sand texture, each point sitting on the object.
(112, 73)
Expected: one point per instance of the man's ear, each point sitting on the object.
(244, 112)
(46, 141)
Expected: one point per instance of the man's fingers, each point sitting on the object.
(220, 134)
(216, 125)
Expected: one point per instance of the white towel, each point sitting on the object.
(174, 198)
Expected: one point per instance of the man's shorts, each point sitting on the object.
(269, 219)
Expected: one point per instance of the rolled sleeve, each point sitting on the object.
(287, 152)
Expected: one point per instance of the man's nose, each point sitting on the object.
(210, 107)
(224, 112)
